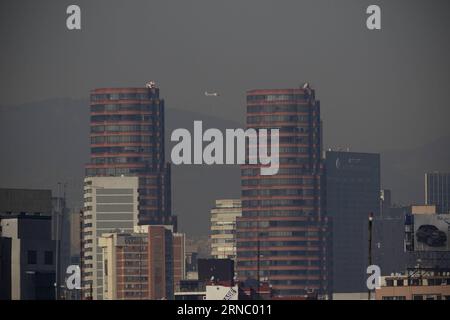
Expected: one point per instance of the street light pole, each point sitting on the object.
(370, 246)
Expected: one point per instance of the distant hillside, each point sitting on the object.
(47, 142)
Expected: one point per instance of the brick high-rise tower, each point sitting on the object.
(127, 138)
(281, 234)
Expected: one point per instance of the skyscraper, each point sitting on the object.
(127, 138)
(437, 191)
(281, 234)
(223, 228)
(352, 193)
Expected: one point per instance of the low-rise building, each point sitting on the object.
(141, 264)
(27, 246)
(416, 285)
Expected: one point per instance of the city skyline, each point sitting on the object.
(393, 81)
(225, 150)
(407, 183)
(296, 112)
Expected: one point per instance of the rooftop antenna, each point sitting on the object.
(150, 84)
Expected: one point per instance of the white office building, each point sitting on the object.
(110, 206)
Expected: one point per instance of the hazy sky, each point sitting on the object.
(379, 90)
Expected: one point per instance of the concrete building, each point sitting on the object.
(437, 191)
(32, 257)
(141, 264)
(125, 264)
(352, 193)
(27, 250)
(417, 285)
(223, 228)
(281, 235)
(110, 205)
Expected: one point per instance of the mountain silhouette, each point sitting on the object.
(47, 142)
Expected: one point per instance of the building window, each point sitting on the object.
(394, 298)
(31, 257)
(48, 258)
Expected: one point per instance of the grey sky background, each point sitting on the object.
(380, 90)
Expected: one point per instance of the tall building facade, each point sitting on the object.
(352, 193)
(110, 205)
(223, 228)
(127, 138)
(179, 259)
(437, 191)
(161, 263)
(281, 234)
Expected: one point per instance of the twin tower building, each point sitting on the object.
(130, 245)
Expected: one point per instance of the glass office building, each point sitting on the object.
(352, 193)
(437, 191)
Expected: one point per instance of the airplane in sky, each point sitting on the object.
(211, 94)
